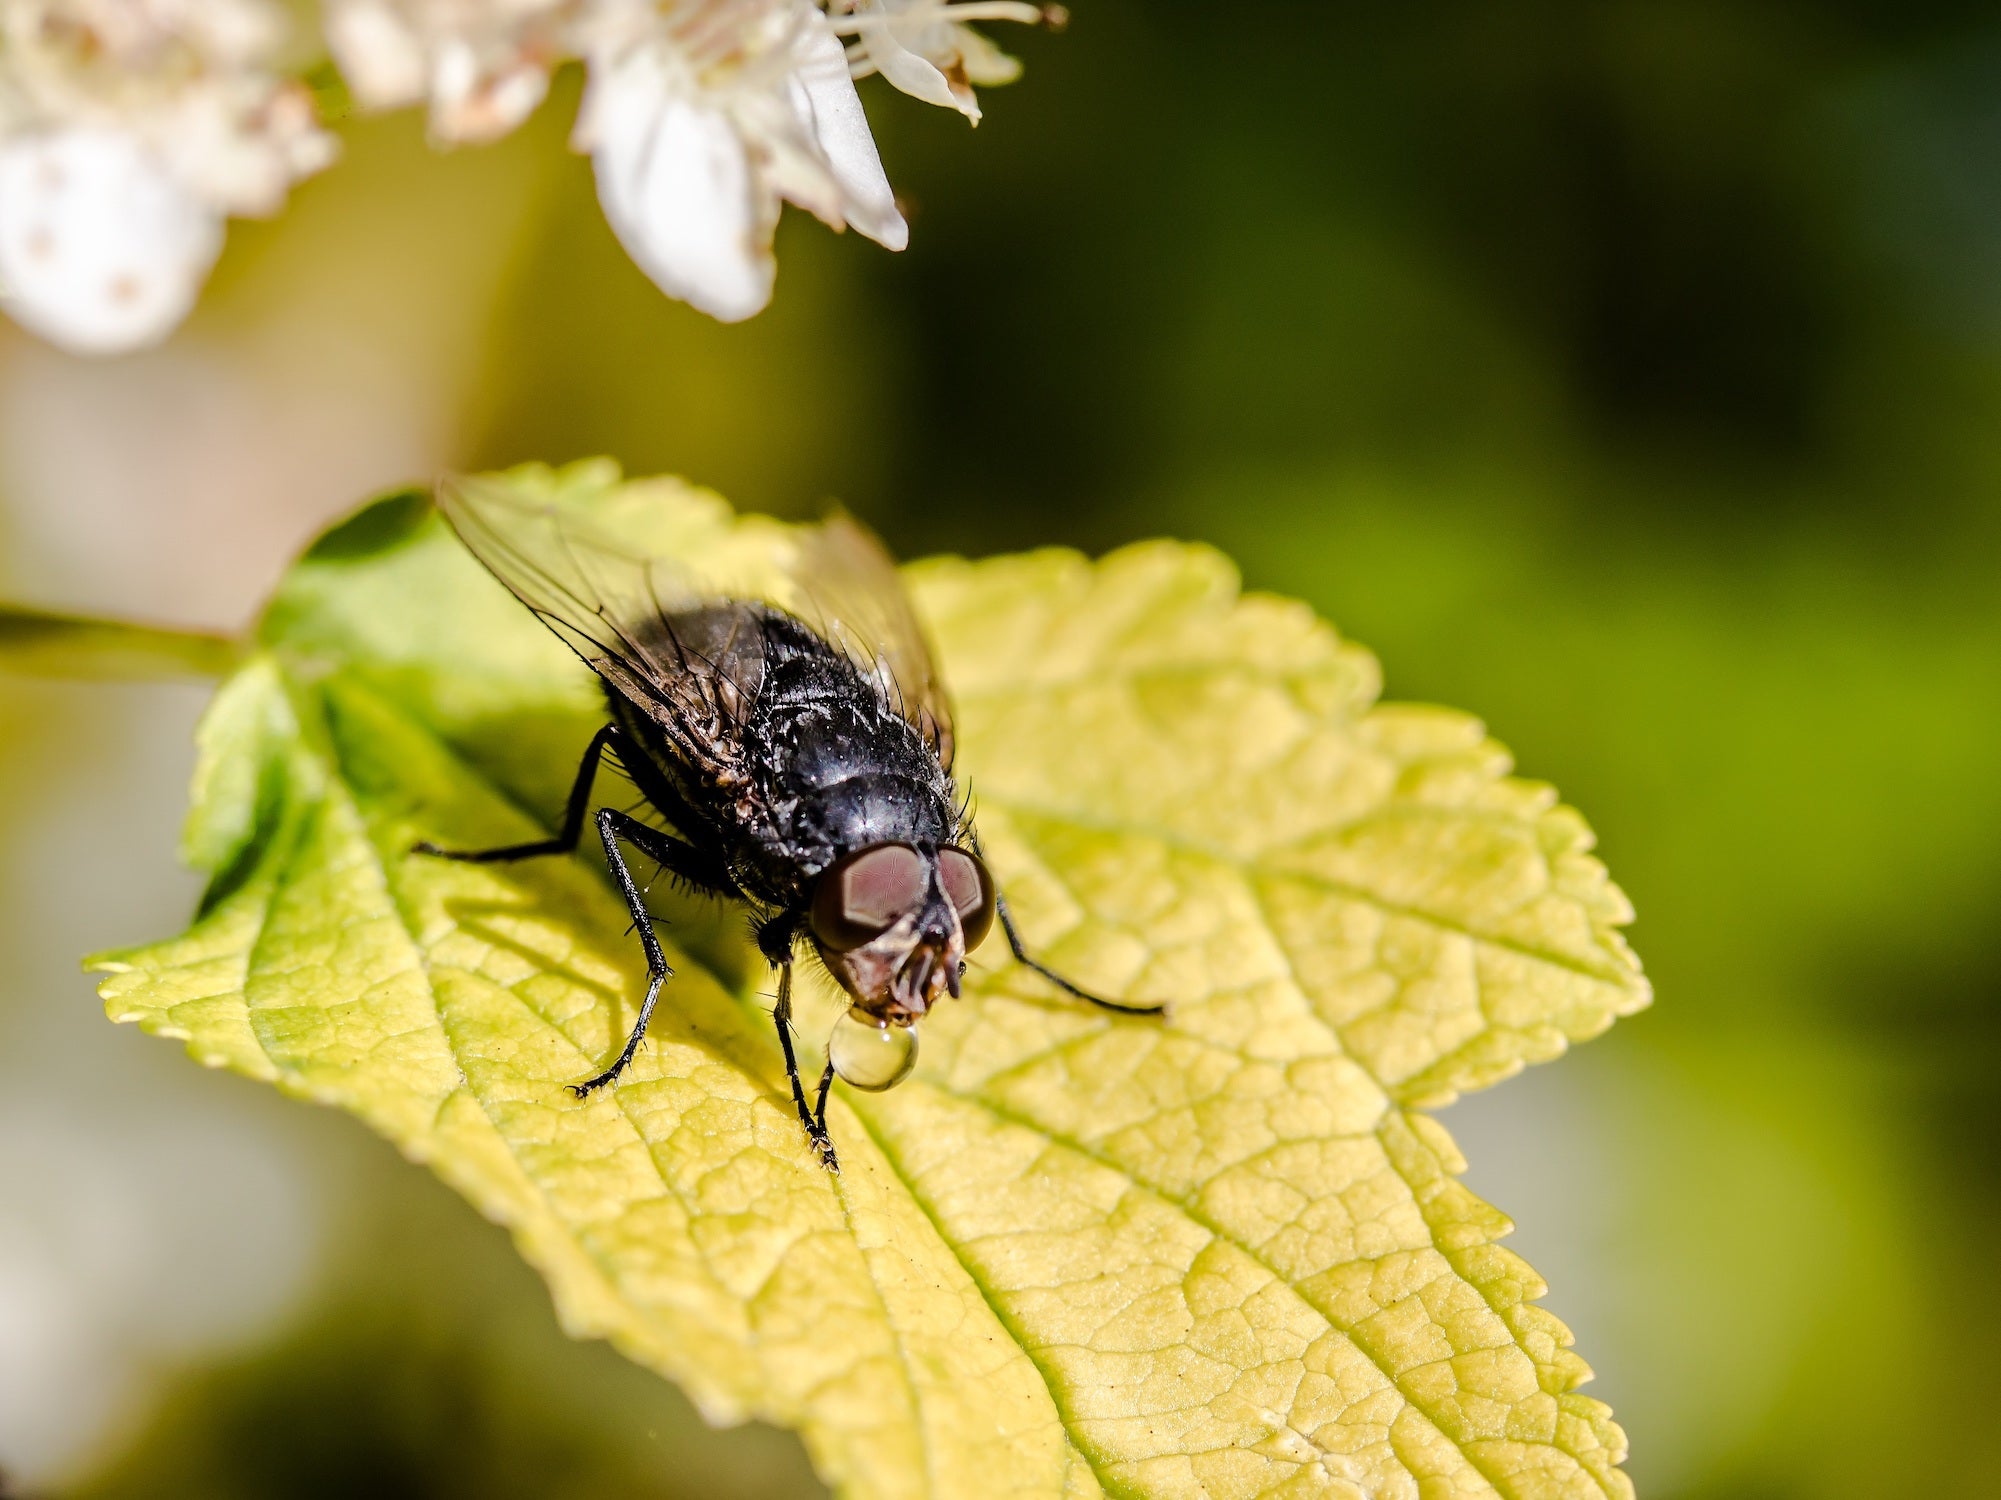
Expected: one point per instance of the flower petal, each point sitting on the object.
(380, 55)
(678, 187)
(102, 250)
(981, 61)
(475, 100)
(920, 57)
(917, 76)
(823, 94)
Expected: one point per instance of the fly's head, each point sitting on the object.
(894, 923)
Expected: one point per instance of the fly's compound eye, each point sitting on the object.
(969, 887)
(860, 897)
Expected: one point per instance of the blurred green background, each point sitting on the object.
(1629, 374)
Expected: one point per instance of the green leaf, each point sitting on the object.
(41, 644)
(1077, 1253)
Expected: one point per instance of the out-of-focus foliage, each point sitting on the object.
(434, 1369)
(1207, 1255)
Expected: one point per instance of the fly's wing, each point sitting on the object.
(848, 590)
(691, 662)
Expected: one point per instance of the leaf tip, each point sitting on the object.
(382, 525)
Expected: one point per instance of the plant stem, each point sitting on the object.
(40, 644)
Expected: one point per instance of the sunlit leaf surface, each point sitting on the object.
(1077, 1253)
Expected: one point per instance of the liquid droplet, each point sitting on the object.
(870, 1055)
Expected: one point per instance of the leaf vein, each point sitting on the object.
(1181, 843)
(1098, 1466)
(1221, 1232)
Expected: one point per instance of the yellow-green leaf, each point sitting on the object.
(1076, 1253)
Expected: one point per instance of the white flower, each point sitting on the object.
(129, 129)
(925, 48)
(701, 116)
(483, 64)
(695, 144)
(101, 247)
(676, 182)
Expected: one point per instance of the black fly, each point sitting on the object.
(801, 753)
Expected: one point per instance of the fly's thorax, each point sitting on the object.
(876, 807)
(821, 737)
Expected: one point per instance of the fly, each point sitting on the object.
(800, 752)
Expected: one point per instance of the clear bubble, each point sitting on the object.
(870, 1055)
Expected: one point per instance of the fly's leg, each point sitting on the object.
(815, 1122)
(1027, 961)
(674, 856)
(775, 938)
(826, 1082)
(1068, 987)
(566, 840)
(698, 868)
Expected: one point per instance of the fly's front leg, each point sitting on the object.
(674, 855)
(815, 1123)
(826, 1083)
(565, 841)
(1069, 987)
